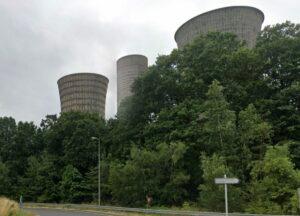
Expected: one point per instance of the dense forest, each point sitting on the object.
(215, 107)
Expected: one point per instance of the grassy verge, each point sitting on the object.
(70, 207)
(11, 208)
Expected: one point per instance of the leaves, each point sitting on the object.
(156, 173)
(211, 108)
(212, 195)
(274, 182)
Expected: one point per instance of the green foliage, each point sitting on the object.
(211, 194)
(279, 49)
(8, 129)
(274, 183)
(254, 137)
(294, 147)
(180, 124)
(91, 182)
(215, 97)
(278, 32)
(154, 173)
(255, 134)
(219, 128)
(41, 180)
(71, 187)
(70, 139)
(5, 183)
(17, 143)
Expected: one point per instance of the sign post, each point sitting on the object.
(21, 201)
(298, 190)
(226, 197)
(225, 181)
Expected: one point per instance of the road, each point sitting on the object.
(58, 212)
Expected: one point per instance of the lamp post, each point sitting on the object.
(99, 181)
(298, 190)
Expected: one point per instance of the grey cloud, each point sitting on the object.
(40, 41)
(36, 52)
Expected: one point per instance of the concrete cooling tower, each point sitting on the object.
(85, 92)
(128, 69)
(243, 21)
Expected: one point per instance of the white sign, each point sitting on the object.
(298, 196)
(227, 180)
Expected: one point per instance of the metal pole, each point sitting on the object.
(298, 190)
(226, 198)
(99, 180)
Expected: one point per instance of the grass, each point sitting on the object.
(67, 207)
(11, 208)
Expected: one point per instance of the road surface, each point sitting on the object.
(58, 212)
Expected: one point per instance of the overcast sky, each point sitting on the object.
(42, 40)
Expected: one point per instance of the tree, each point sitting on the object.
(288, 112)
(69, 139)
(154, 173)
(17, 143)
(294, 148)
(32, 187)
(219, 129)
(286, 30)
(215, 97)
(212, 195)
(71, 186)
(254, 137)
(5, 182)
(8, 129)
(274, 182)
(185, 75)
(91, 183)
(41, 180)
(255, 134)
(278, 47)
(180, 124)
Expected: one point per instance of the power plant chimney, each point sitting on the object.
(243, 21)
(128, 69)
(85, 92)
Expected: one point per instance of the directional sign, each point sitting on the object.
(227, 180)
(298, 197)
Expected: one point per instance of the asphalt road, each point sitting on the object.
(58, 212)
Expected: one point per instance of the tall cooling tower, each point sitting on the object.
(243, 21)
(128, 69)
(85, 92)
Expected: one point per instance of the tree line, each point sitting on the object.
(214, 107)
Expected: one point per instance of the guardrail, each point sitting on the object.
(136, 210)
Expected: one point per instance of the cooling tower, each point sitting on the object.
(128, 69)
(85, 92)
(243, 21)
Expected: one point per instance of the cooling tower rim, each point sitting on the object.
(83, 73)
(132, 55)
(218, 9)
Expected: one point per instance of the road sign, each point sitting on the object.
(227, 180)
(298, 190)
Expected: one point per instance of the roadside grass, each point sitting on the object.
(11, 208)
(187, 206)
(68, 207)
(111, 211)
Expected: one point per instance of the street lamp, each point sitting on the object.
(99, 189)
(298, 190)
